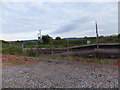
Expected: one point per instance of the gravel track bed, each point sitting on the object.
(46, 74)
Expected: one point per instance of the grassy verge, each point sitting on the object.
(80, 59)
(13, 50)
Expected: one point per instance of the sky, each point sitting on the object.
(23, 20)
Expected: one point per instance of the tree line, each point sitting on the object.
(47, 40)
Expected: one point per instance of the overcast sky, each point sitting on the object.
(22, 20)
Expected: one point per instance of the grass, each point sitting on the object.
(17, 60)
(50, 61)
(79, 59)
(13, 50)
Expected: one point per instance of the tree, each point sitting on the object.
(85, 37)
(46, 39)
(118, 35)
(58, 38)
(3, 41)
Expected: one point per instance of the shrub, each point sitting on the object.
(12, 50)
(30, 53)
(49, 61)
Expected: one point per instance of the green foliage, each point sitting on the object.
(103, 61)
(49, 61)
(77, 42)
(48, 42)
(59, 43)
(3, 42)
(0, 50)
(109, 39)
(118, 35)
(46, 39)
(44, 46)
(30, 53)
(58, 38)
(12, 50)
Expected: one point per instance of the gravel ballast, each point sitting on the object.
(44, 74)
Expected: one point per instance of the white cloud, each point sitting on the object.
(51, 16)
(60, 0)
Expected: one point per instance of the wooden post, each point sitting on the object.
(97, 36)
(97, 42)
(10, 44)
(68, 47)
(52, 48)
(22, 46)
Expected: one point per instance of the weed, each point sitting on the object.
(30, 53)
(13, 50)
(49, 61)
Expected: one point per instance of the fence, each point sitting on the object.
(53, 43)
(69, 47)
(104, 51)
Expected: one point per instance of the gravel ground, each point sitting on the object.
(44, 74)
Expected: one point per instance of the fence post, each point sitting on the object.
(52, 48)
(10, 44)
(97, 42)
(22, 47)
(68, 47)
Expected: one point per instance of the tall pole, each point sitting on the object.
(23, 46)
(39, 37)
(97, 35)
(97, 40)
(39, 40)
(10, 44)
(68, 47)
(52, 48)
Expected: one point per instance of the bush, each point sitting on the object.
(12, 50)
(30, 53)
